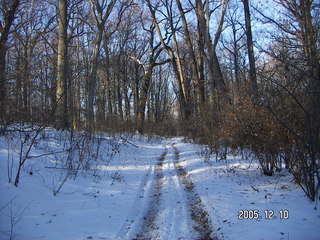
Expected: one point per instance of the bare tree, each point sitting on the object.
(101, 10)
(155, 51)
(196, 73)
(174, 57)
(234, 43)
(27, 34)
(62, 76)
(252, 71)
(215, 73)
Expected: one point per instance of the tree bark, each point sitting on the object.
(252, 65)
(62, 76)
(26, 84)
(92, 81)
(19, 109)
(100, 18)
(215, 74)
(143, 100)
(195, 72)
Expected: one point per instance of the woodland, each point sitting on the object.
(231, 74)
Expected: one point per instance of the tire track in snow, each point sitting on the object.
(176, 220)
(149, 224)
(197, 210)
(173, 209)
(144, 188)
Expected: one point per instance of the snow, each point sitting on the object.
(127, 185)
(236, 184)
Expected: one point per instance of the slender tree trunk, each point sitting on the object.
(26, 85)
(62, 76)
(18, 91)
(252, 65)
(215, 74)
(77, 92)
(195, 73)
(119, 100)
(107, 80)
(235, 56)
(201, 47)
(100, 17)
(143, 99)
(126, 103)
(114, 96)
(92, 81)
(110, 112)
(3, 81)
(136, 98)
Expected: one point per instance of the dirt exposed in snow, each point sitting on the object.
(149, 223)
(198, 212)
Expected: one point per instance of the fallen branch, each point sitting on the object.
(61, 168)
(125, 140)
(47, 154)
(255, 189)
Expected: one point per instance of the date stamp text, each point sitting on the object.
(266, 214)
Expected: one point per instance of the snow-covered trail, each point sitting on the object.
(146, 188)
(171, 208)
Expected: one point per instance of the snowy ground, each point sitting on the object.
(139, 189)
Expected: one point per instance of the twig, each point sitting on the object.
(8, 203)
(46, 154)
(128, 142)
(61, 168)
(255, 189)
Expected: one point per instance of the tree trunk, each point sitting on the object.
(92, 81)
(18, 91)
(5, 30)
(26, 85)
(119, 96)
(77, 90)
(126, 103)
(143, 99)
(215, 74)
(235, 55)
(177, 70)
(3, 81)
(100, 17)
(252, 65)
(200, 93)
(109, 97)
(62, 76)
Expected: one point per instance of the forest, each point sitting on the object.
(231, 74)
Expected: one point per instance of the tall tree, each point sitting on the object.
(252, 65)
(101, 10)
(234, 42)
(8, 11)
(155, 51)
(174, 57)
(214, 68)
(62, 75)
(196, 73)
